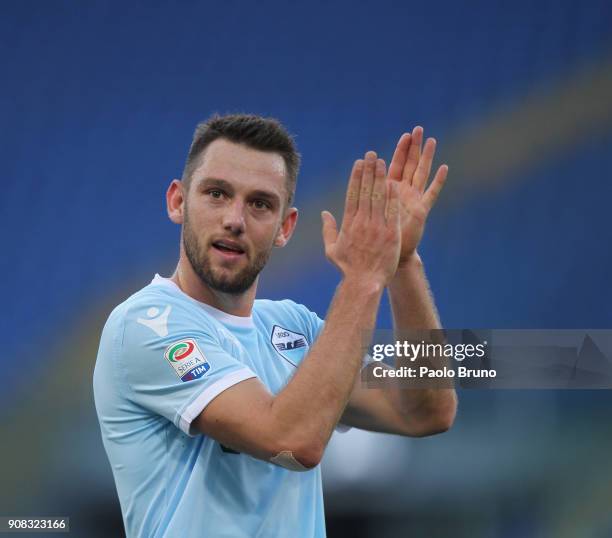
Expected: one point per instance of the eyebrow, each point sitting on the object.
(216, 182)
(226, 185)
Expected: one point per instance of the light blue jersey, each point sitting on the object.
(163, 357)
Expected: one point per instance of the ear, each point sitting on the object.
(286, 230)
(175, 201)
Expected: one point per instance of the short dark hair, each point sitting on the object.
(256, 132)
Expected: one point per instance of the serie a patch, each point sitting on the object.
(187, 359)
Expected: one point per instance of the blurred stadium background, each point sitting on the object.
(98, 102)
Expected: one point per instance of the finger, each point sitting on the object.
(399, 157)
(392, 211)
(432, 193)
(330, 229)
(367, 183)
(379, 195)
(421, 174)
(414, 154)
(352, 192)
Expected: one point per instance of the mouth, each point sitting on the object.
(229, 249)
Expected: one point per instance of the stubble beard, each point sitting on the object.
(199, 259)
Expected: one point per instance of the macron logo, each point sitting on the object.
(157, 322)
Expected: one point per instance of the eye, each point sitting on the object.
(215, 193)
(261, 204)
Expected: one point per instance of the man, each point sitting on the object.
(215, 408)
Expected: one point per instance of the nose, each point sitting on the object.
(233, 218)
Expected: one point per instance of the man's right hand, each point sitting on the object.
(367, 247)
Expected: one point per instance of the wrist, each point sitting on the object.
(409, 269)
(361, 287)
(412, 261)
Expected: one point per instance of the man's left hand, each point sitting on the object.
(411, 167)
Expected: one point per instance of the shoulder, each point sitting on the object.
(285, 307)
(157, 312)
(289, 315)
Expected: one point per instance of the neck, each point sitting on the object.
(190, 283)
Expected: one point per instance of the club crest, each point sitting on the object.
(290, 345)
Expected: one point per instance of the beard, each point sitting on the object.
(233, 284)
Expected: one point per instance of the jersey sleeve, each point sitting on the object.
(177, 368)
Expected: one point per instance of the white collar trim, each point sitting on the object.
(223, 317)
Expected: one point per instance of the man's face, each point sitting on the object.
(233, 213)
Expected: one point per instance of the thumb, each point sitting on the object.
(330, 229)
